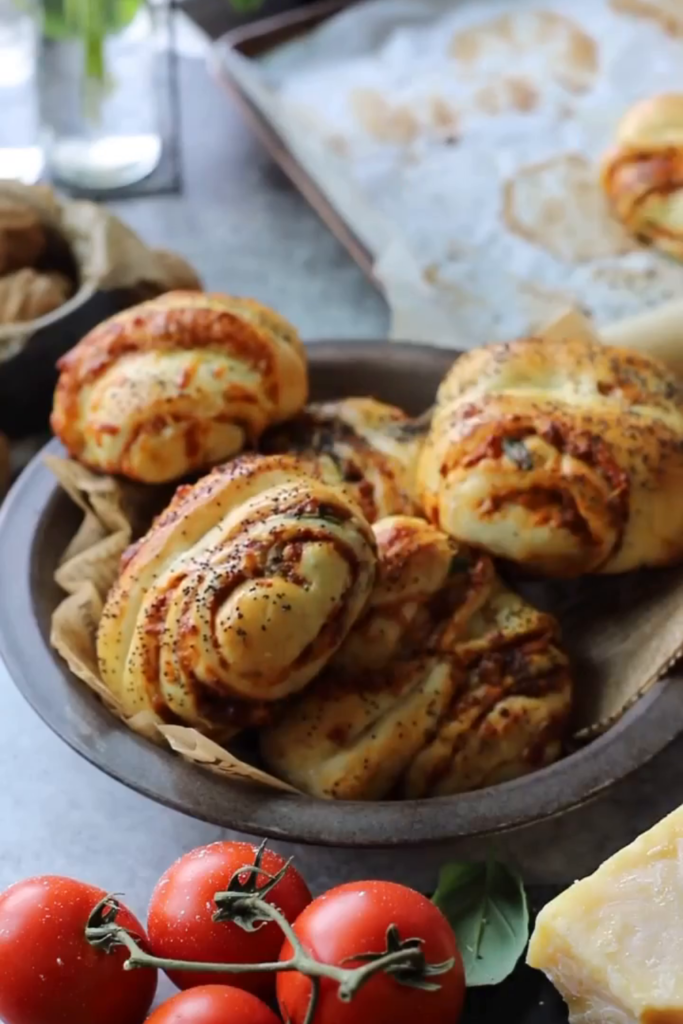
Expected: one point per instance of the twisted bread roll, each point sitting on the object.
(643, 174)
(563, 455)
(370, 446)
(177, 384)
(237, 597)
(447, 683)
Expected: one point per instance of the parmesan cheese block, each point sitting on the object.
(612, 944)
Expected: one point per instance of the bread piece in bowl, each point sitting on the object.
(177, 384)
(371, 446)
(563, 455)
(237, 597)
(448, 682)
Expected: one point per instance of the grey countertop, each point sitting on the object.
(248, 232)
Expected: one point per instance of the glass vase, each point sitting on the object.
(99, 83)
(20, 154)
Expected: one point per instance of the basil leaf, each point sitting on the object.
(518, 452)
(486, 907)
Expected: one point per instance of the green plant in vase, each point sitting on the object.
(90, 21)
(86, 27)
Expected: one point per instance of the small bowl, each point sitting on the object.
(37, 522)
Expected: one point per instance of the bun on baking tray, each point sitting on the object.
(643, 173)
(565, 456)
(177, 384)
(237, 596)
(370, 446)
(448, 682)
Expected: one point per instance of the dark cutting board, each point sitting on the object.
(526, 997)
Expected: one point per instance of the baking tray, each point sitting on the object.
(254, 41)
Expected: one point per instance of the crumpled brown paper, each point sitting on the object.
(114, 513)
(107, 253)
(23, 238)
(28, 294)
(622, 633)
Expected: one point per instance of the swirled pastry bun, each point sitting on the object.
(371, 446)
(448, 682)
(642, 175)
(563, 456)
(177, 384)
(238, 596)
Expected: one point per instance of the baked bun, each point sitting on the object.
(565, 456)
(448, 682)
(177, 384)
(238, 596)
(643, 174)
(372, 447)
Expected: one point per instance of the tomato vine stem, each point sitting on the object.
(243, 904)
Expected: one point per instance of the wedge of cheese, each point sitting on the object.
(612, 944)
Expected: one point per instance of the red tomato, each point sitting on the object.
(214, 1004)
(49, 972)
(181, 925)
(354, 919)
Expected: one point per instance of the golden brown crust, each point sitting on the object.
(563, 455)
(447, 682)
(642, 175)
(237, 596)
(177, 384)
(369, 446)
(427, 588)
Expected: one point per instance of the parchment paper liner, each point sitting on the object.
(386, 104)
(114, 513)
(623, 633)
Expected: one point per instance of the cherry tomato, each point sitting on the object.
(49, 972)
(181, 925)
(214, 1004)
(354, 919)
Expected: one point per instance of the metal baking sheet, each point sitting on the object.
(460, 144)
(257, 40)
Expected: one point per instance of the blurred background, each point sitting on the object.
(89, 88)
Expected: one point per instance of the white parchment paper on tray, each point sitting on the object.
(460, 142)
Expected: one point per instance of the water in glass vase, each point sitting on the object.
(98, 92)
(20, 155)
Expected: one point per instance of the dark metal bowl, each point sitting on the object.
(38, 520)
